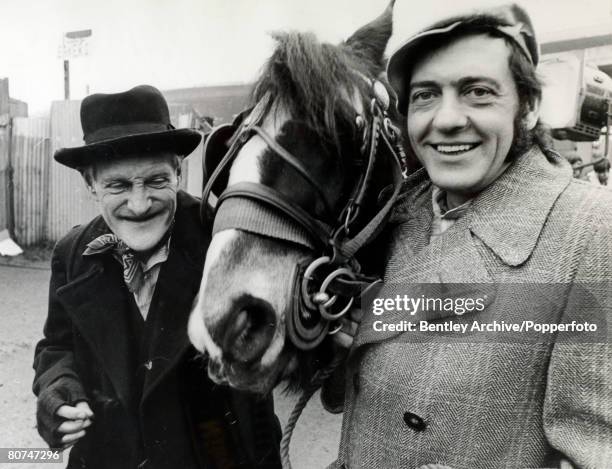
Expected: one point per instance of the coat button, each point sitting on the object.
(356, 383)
(414, 421)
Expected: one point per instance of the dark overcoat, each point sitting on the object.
(153, 403)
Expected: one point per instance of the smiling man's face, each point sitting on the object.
(137, 197)
(462, 106)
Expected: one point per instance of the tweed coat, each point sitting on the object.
(539, 244)
(164, 412)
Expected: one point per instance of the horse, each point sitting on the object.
(297, 186)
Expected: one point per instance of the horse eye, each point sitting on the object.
(360, 122)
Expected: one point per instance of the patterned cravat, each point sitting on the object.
(132, 268)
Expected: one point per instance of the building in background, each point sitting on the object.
(215, 104)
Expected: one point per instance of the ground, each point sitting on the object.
(23, 299)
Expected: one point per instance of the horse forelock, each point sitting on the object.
(311, 81)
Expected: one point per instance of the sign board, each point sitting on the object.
(74, 44)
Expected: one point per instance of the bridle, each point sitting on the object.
(324, 289)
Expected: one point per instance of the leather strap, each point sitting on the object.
(320, 232)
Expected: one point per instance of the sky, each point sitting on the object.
(182, 43)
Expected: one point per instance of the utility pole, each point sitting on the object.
(74, 44)
(66, 79)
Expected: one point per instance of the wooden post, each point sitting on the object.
(66, 80)
(6, 168)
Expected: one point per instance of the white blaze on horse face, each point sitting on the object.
(261, 277)
(246, 166)
(196, 329)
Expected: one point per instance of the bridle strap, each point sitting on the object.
(295, 164)
(319, 231)
(257, 114)
(247, 129)
(340, 274)
(225, 162)
(350, 247)
(364, 183)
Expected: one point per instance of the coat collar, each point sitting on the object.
(98, 301)
(507, 216)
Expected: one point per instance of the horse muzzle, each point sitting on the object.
(246, 333)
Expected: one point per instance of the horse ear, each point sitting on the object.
(370, 40)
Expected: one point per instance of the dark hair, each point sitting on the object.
(529, 89)
(528, 84)
(306, 77)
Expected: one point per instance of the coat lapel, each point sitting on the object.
(98, 306)
(509, 215)
(504, 217)
(175, 291)
(177, 286)
(430, 273)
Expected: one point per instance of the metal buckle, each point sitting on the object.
(308, 276)
(323, 308)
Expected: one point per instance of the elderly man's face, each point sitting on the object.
(462, 105)
(137, 197)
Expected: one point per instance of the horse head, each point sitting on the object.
(299, 182)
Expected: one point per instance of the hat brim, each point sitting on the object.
(180, 141)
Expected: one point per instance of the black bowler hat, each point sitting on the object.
(510, 21)
(116, 125)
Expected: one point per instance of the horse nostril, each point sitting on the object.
(249, 331)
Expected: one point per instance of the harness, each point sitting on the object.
(324, 289)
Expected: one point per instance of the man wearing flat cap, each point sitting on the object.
(115, 374)
(495, 226)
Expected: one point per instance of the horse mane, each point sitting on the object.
(312, 81)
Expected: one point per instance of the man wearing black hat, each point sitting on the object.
(115, 374)
(515, 370)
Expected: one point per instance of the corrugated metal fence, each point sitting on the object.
(69, 201)
(5, 156)
(30, 150)
(5, 168)
(49, 198)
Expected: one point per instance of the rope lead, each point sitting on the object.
(315, 383)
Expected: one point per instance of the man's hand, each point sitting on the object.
(350, 323)
(78, 418)
(59, 423)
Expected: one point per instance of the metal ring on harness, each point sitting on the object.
(336, 330)
(323, 308)
(305, 328)
(308, 276)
